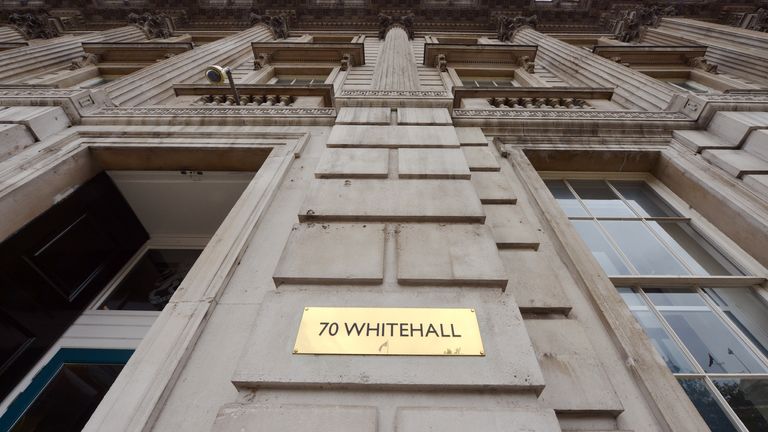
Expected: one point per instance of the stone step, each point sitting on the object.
(392, 201)
(736, 162)
(41, 121)
(758, 183)
(699, 141)
(432, 163)
(392, 136)
(757, 144)
(13, 139)
(480, 159)
(733, 127)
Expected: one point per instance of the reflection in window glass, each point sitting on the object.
(698, 254)
(747, 310)
(600, 248)
(643, 199)
(643, 249)
(676, 297)
(68, 401)
(565, 198)
(600, 199)
(153, 280)
(665, 345)
(706, 404)
(715, 348)
(749, 400)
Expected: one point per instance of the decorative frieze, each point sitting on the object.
(570, 114)
(157, 111)
(395, 93)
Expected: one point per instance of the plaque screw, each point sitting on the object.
(306, 309)
(295, 351)
(472, 310)
(481, 352)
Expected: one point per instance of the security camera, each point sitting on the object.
(216, 74)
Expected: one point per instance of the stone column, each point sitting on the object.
(17, 64)
(11, 34)
(735, 51)
(396, 66)
(579, 67)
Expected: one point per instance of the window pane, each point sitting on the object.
(68, 401)
(153, 280)
(666, 347)
(642, 249)
(700, 256)
(631, 298)
(747, 310)
(600, 248)
(643, 199)
(676, 297)
(600, 199)
(715, 348)
(748, 398)
(565, 198)
(706, 404)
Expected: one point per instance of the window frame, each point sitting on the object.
(743, 261)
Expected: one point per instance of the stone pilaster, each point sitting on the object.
(581, 68)
(154, 84)
(736, 51)
(17, 64)
(396, 66)
(11, 34)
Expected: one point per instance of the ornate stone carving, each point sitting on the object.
(570, 114)
(86, 60)
(540, 103)
(757, 21)
(261, 60)
(346, 61)
(388, 21)
(395, 93)
(442, 63)
(247, 100)
(213, 111)
(155, 26)
(509, 26)
(631, 24)
(526, 63)
(278, 24)
(701, 63)
(34, 26)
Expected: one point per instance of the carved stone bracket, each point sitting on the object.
(155, 26)
(34, 26)
(701, 63)
(509, 26)
(405, 22)
(278, 24)
(526, 63)
(442, 63)
(757, 21)
(260, 60)
(86, 60)
(347, 61)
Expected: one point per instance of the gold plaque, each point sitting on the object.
(389, 331)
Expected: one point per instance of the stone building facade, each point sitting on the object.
(589, 179)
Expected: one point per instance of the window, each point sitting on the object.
(713, 339)
(298, 80)
(486, 82)
(151, 282)
(632, 231)
(66, 391)
(690, 86)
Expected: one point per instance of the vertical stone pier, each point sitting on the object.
(396, 66)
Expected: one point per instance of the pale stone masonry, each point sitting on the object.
(385, 179)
